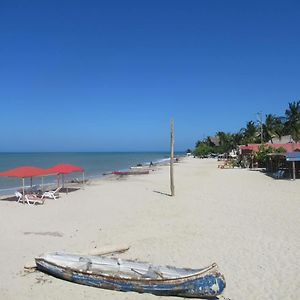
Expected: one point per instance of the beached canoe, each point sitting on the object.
(139, 167)
(125, 275)
(141, 172)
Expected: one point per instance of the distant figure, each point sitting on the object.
(151, 163)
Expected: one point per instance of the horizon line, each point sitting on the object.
(94, 151)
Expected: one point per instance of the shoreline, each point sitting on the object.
(9, 191)
(244, 221)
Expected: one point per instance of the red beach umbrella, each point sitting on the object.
(66, 169)
(24, 172)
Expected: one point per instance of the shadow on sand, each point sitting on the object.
(162, 193)
(9, 199)
(68, 190)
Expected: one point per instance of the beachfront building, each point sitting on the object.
(282, 162)
(284, 165)
(252, 148)
(286, 139)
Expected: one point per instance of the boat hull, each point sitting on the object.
(205, 286)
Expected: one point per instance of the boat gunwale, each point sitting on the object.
(181, 279)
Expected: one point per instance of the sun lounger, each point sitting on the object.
(51, 194)
(19, 196)
(33, 199)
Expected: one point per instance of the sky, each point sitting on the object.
(109, 75)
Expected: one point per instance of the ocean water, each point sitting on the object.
(94, 163)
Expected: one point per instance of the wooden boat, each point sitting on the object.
(126, 275)
(141, 172)
(139, 167)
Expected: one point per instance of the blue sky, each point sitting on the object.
(109, 75)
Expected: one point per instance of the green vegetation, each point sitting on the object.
(273, 127)
(262, 154)
(203, 149)
(292, 124)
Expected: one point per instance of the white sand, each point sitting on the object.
(245, 221)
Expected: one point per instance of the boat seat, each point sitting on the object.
(153, 272)
(87, 261)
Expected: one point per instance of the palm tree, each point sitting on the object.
(250, 133)
(272, 128)
(292, 124)
(222, 137)
(225, 141)
(237, 138)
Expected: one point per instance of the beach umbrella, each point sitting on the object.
(24, 172)
(63, 169)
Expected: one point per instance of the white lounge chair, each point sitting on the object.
(19, 196)
(33, 199)
(51, 194)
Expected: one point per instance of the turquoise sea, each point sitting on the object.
(94, 163)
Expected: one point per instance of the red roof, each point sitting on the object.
(251, 147)
(289, 147)
(23, 172)
(64, 169)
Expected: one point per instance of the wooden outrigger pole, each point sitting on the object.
(172, 160)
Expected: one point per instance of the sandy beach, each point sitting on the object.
(243, 220)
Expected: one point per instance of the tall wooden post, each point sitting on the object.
(23, 198)
(294, 171)
(172, 160)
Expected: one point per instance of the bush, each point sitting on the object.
(262, 154)
(203, 149)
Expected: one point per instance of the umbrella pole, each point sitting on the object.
(63, 182)
(294, 171)
(43, 184)
(23, 190)
(83, 180)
